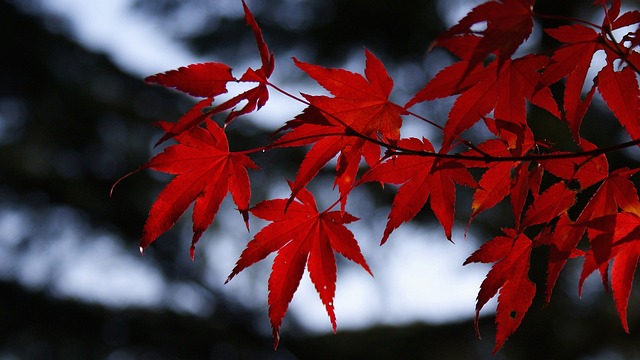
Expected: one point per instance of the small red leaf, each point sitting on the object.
(587, 170)
(265, 56)
(509, 24)
(200, 80)
(551, 203)
(494, 186)
(503, 90)
(572, 61)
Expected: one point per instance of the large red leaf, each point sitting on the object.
(572, 61)
(300, 235)
(620, 91)
(483, 90)
(599, 218)
(510, 275)
(422, 177)
(587, 170)
(627, 253)
(206, 171)
(360, 105)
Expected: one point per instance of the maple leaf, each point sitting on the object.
(572, 60)
(258, 96)
(210, 80)
(493, 187)
(301, 236)
(508, 24)
(624, 228)
(599, 220)
(550, 204)
(484, 89)
(360, 105)
(587, 170)
(562, 242)
(421, 177)
(626, 248)
(495, 182)
(206, 170)
(620, 91)
(510, 275)
(200, 80)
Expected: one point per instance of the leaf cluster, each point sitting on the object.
(357, 123)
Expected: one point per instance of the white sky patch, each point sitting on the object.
(102, 272)
(56, 250)
(133, 42)
(451, 11)
(419, 277)
(141, 47)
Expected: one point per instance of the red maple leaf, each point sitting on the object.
(206, 170)
(587, 170)
(599, 220)
(626, 254)
(357, 120)
(620, 91)
(360, 103)
(562, 242)
(486, 89)
(199, 80)
(210, 79)
(359, 110)
(301, 236)
(510, 275)
(508, 24)
(550, 204)
(572, 60)
(499, 180)
(421, 177)
(624, 230)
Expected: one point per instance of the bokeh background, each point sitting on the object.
(75, 116)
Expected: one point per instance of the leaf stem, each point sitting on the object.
(538, 157)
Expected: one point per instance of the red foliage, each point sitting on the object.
(302, 236)
(358, 121)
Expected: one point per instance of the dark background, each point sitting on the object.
(71, 123)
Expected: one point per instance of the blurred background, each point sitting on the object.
(75, 116)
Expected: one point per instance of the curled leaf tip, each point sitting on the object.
(192, 252)
(276, 338)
